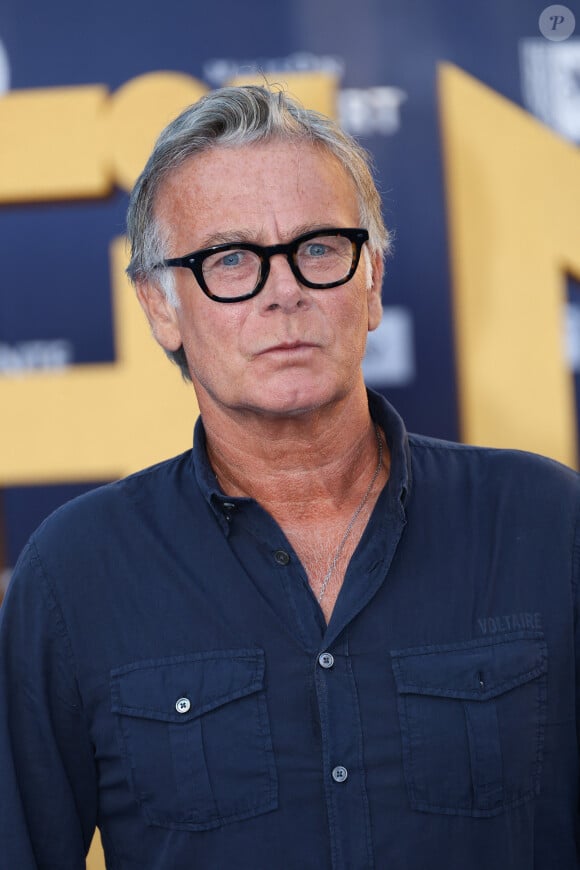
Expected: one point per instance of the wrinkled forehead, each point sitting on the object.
(253, 176)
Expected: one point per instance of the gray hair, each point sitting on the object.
(233, 117)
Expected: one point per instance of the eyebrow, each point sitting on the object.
(230, 237)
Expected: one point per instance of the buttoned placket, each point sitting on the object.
(342, 753)
(337, 694)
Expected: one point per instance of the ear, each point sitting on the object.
(161, 315)
(374, 291)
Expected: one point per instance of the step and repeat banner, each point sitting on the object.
(473, 120)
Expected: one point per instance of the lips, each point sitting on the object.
(287, 346)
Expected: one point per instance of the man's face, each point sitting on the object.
(289, 349)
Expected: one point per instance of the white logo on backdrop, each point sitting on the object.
(361, 111)
(4, 69)
(390, 357)
(550, 75)
(222, 70)
(18, 359)
(364, 111)
(572, 336)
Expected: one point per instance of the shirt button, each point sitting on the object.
(281, 557)
(339, 773)
(326, 660)
(183, 705)
(228, 509)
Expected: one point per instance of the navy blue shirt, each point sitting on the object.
(168, 675)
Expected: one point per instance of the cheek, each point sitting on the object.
(211, 336)
(355, 318)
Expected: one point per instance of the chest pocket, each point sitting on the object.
(472, 719)
(195, 736)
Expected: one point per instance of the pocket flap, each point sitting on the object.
(475, 670)
(180, 688)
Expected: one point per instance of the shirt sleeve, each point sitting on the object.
(48, 786)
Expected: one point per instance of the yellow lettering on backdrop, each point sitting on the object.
(51, 147)
(102, 420)
(138, 112)
(63, 143)
(513, 189)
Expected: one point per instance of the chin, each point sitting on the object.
(293, 402)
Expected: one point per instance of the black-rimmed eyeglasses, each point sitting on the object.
(231, 273)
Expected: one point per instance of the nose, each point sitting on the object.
(282, 290)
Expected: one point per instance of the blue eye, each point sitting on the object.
(317, 249)
(234, 258)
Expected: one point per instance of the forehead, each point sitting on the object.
(257, 188)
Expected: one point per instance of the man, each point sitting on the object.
(314, 641)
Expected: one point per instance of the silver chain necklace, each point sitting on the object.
(353, 520)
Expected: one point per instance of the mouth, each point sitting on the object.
(288, 347)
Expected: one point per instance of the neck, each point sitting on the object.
(294, 466)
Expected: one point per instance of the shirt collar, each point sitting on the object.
(382, 413)
(393, 426)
